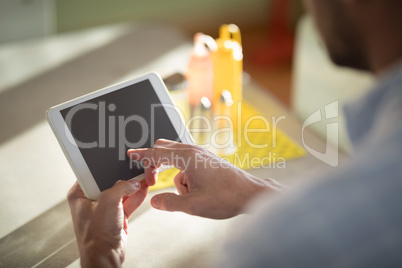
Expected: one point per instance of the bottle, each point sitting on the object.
(200, 127)
(177, 86)
(228, 66)
(222, 139)
(200, 71)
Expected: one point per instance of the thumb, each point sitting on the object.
(172, 202)
(119, 190)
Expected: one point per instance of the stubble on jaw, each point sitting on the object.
(343, 40)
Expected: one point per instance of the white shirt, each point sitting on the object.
(349, 218)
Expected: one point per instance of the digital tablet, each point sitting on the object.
(96, 130)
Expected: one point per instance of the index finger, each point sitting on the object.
(169, 143)
(77, 200)
(157, 156)
(75, 193)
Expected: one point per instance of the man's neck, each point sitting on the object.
(384, 46)
(385, 59)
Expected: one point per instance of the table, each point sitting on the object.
(36, 228)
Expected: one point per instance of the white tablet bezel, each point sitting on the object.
(71, 150)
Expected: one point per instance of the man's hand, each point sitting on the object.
(208, 186)
(101, 226)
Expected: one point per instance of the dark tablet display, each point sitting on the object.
(105, 127)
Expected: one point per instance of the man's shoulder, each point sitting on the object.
(345, 217)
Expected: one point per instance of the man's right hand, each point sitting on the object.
(208, 185)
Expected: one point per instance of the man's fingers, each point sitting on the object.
(157, 156)
(74, 193)
(132, 202)
(172, 144)
(119, 190)
(79, 205)
(173, 202)
(181, 183)
(151, 175)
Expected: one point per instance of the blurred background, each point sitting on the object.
(27, 19)
(272, 35)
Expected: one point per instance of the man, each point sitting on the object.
(349, 218)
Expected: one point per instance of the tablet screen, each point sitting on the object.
(105, 127)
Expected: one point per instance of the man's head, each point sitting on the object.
(358, 33)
